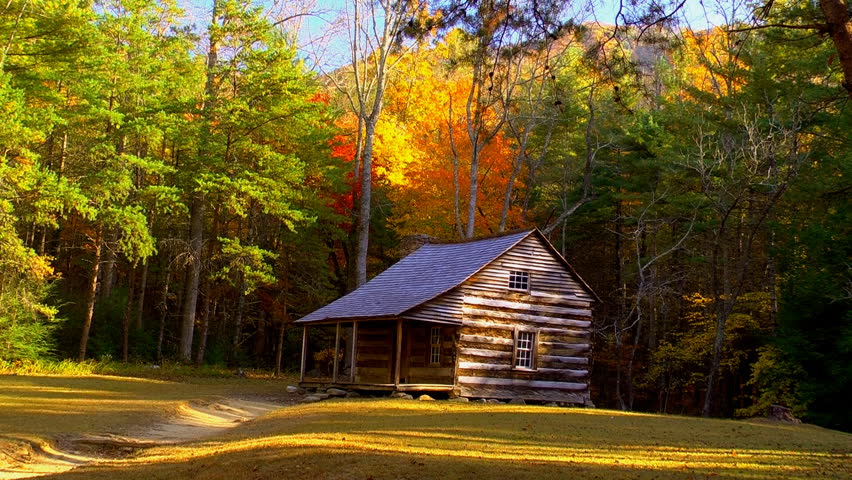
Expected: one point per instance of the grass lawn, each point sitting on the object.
(43, 407)
(393, 438)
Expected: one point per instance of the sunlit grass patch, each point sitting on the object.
(382, 438)
(47, 406)
(164, 371)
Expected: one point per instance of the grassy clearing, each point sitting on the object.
(384, 438)
(164, 371)
(41, 407)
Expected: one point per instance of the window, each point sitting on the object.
(435, 346)
(519, 280)
(525, 349)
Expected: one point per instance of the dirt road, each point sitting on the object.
(23, 458)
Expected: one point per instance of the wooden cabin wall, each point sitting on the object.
(549, 275)
(375, 352)
(445, 308)
(417, 368)
(556, 307)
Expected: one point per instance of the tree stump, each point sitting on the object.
(782, 414)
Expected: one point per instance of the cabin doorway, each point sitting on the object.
(429, 353)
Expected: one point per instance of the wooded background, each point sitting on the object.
(175, 188)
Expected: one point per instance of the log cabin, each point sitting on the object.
(502, 317)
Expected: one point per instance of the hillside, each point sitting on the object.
(392, 438)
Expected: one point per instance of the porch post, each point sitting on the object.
(304, 352)
(354, 350)
(398, 352)
(336, 350)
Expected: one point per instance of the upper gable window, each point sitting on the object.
(519, 280)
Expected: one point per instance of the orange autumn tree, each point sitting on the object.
(709, 63)
(417, 135)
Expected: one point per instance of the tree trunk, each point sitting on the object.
(631, 390)
(164, 311)
(619, 346)
(205, 325)
(840, 28)
(456, 186)
(507, 198)
(365, 208)
(773, 287)
(238, 321)
(140, 303)
(201, 350)
(475, 123)
(9, 42)
(259, 347)
(622, 305)
(197, 207)
(190, 300)
(63, 155)
(143, 284)
(43, 242)
(722, 313)
(108, 276)
(456, 200)
(279, 353)
(394, 16)
(359, 146)
(721, 295)
(93, 290)
(125, 320)
(474, 187)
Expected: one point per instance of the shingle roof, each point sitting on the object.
(428, 272)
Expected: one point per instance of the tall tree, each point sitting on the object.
(376, 34)
(253, 167)
(501, 40)
(197, 203)
(113, 156)
(830, 19)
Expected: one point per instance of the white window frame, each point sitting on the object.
(525, 349)
(435, 346)
(519, 280)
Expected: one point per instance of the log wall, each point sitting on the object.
(445, 309)
(556, 308)
(374, 354)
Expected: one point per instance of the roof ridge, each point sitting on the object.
(428, 273)
(413, 282)
(482, 238)
(520, 239)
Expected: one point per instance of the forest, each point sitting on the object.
(177, 187)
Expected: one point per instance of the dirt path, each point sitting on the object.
(21, 458)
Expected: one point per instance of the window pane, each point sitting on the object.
(435, 345)
(524, 349)
(519, 280)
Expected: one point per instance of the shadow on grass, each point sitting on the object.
(396, 439)
(330, 463)
(47, 406)
(323, 463)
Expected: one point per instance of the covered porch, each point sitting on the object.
(379, 354)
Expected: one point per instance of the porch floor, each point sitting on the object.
(402, 387)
